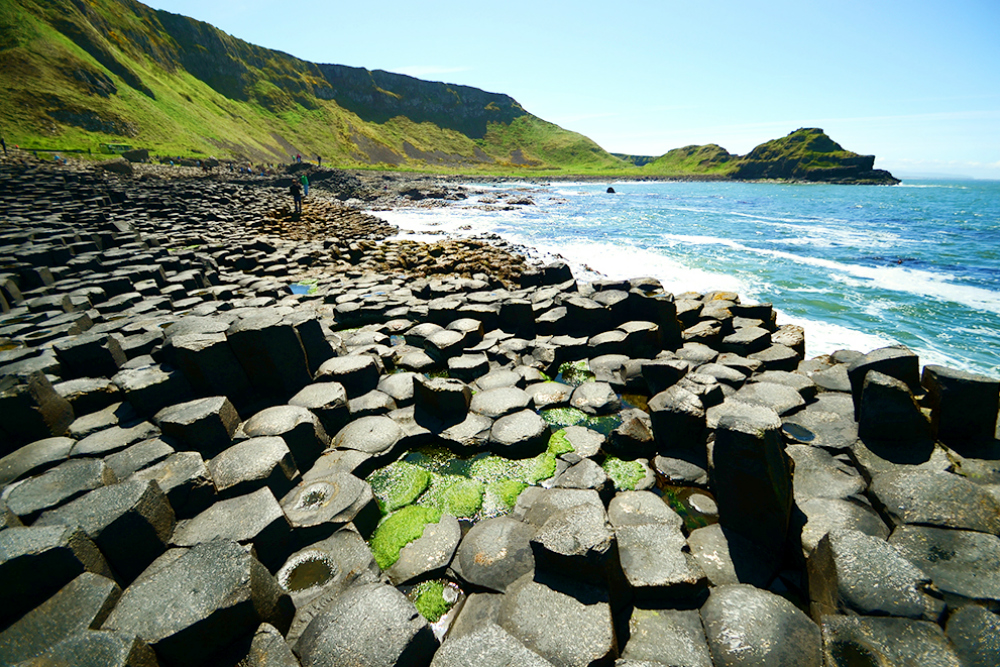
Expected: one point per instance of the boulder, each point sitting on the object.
(495, 553)
(963, 406)
(898, 362)
(974, 633)
(186, 481)
(298, 427)
(520, 435)
(205, 425)
(429, 554)
(887, 412)
(271, 354)
(439, 402)
(319, 506)
(67, 481)
(667, 637)
(678, 419)
(254, 463)
(935, 499)
(858, 640)
(488, 644)
(962, 564)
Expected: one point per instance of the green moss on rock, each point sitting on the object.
(455, 495)
(559, 443)
(538, 468)
(625, 474)
(428, 598)
(398, 484)
(501, 496)
(575, 372)
(563, 416)
(399, 529)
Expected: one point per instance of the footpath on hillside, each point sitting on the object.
(233, 435)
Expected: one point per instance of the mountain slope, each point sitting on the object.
(83, 72)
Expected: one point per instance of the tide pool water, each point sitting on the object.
(859, 267)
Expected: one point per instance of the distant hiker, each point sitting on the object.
(296, 191)
(305, 185)
(298, 158)
(4, 143)
(319, 161)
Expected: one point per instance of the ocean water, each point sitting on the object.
(859, 267)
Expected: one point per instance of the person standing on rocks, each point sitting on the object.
(319, 161)
(305, 185)
(296, 191)
(4, 143)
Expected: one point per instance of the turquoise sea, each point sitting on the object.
(858, 266)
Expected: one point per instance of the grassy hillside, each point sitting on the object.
(79, 73)
(709, 160)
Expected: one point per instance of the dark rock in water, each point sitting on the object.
(494, 553)
(898, 362)
(205, 425)
(429, 554)
(850, 572)
(372, 624)
(487, 644)
(666, 637)
(748, 626)
(889, 413)
(297, 426)
(611, 191)
(962, 564)
(520, 435)
(131, 523)
(748, 461)
(963, 406)
(857, 640)
(975, 634)
(935, 499)
(565, 621)
(81, 605)
(36, 562)
(255, 518)
(217, 593)
(58, 486)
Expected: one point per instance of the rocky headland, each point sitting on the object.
(234, 436)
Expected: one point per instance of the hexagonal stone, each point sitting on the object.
(217, 592)
(549, 394)
(488, 644)
(850, 572)
(565, 621)
(297, 426)
(96, 648)
(57, 487)
(205, 425)
(779, 397)
(372, 625)
(898, 362)
(975, 634)
(728, 558)
(90, 394)
(138, 456)
(746, 341)
(935, 499)
(440, 402)
(90, 355)
(249, 465)
(667, 636)
(357, 374)
(324, 568)
(399, 386)
(520, 435)
(151, 388)
(42, 413)
(254, 518)
(270, 352)
(211, 366)
(113, 439)
(960, 563)
(81, 605)
(317, 507)
(502, 377)
(748, 626)
(678, 419)
(473, 434)
(35, 562)
(852, 640)
(130, 522)
(494, 553)
(428, 555)
(964, 405)
(586, 442)
(819, 475)
(595, 398)
(577, 541)
(826, 514)
(888, 412)
(186, 481)
(377, 436)
(34, 458)
(495, 403)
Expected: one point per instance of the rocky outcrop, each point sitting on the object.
(651, 479)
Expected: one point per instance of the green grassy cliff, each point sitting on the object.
(79, 73)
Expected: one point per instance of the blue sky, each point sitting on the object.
(916, 83)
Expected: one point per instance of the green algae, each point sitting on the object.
(501, 496)
(398, 484)
(575, 373)
(604, 424)
(539, 468)
(559, 443)
(562, 417)
(625, 474)
(428, 598)
(458, 496)
(399, 529)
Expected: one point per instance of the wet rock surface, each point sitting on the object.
(315, 445)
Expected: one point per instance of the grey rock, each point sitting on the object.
(564, 621)
(151, 388)
(501, 377)
(779, 397)
(835, 378)
(321, 505)
(778, 357)
(439, 402)
(373, 403)
(818, 428)
(254, 463)
(268, 649)
(217, 592)
(298, 427)
(97, 648)
(656, 562)
(326, 400)
(211, 367)
(585, 475)
(660, 375)
(856, 640)
(964, 406)
(887, 411)
(595, 398)
(205, 425)
(961, 564)
(496, 403)
(186, 481)
(728, 558)
(81, 605)
(372, 625)
(549, 394)
(488, 644)
(67, 481)
(577, 541)
(473, 434)
(111, 415)
(34, 458)
(683, 472)
(114, 439)
(327, 566)
(935, 499)
(636, 508)
(850, 572)
(90, 394)
(826, 514)
(357, 374)
(429, 554)
(131, 523)
(494, 553)
(586, 442)
(271, 353)
(666, 637)
(377, 436)
(138, 456)
(819, 475)
(898, 362)
(748, 626)
(36, 562)
(520, 435)
(678, 418)
(974, 632)
(399, 386)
